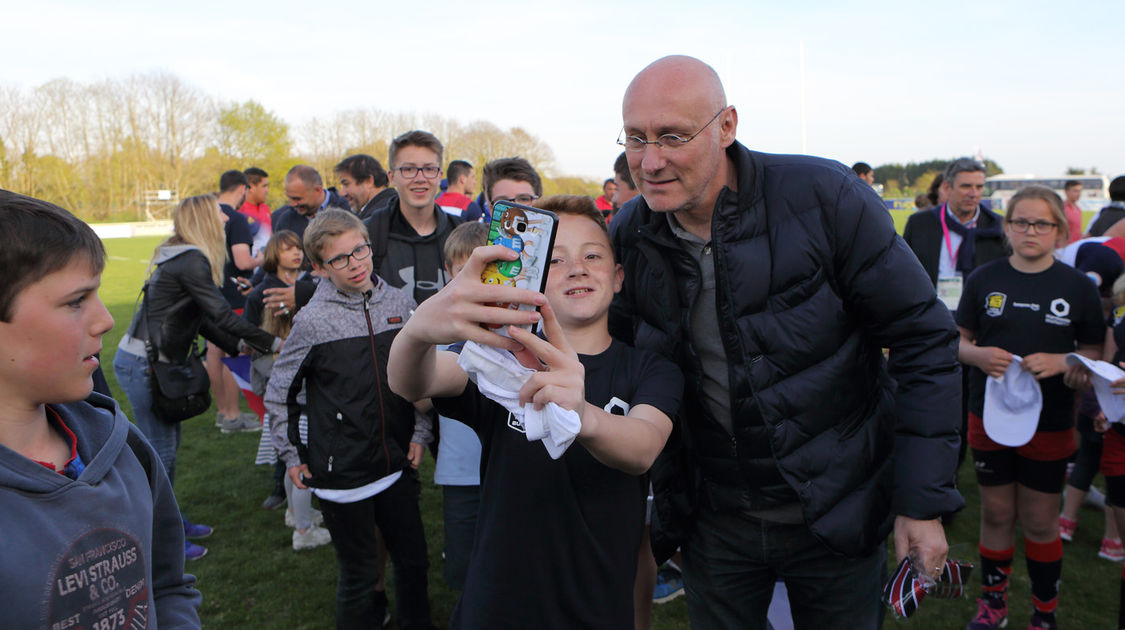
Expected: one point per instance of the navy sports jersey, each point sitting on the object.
(556, 540)
(237, 230)
(1024, 313)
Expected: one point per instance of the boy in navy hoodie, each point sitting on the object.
(92, 534)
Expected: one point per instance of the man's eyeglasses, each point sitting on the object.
(409, 172)
(521, 199)
(666, 141)
(1038, 227)
(342, 262)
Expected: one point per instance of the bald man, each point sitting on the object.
(775, 282)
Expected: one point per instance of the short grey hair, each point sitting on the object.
(962, 165)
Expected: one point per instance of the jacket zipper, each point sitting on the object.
(378, 382)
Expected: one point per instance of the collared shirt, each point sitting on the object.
(705, 338)
(947, 265)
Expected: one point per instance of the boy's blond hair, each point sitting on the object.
(461, 242)
(328, 224)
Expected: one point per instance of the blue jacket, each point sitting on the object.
(812, 284)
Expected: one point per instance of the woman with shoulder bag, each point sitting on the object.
(181, 301)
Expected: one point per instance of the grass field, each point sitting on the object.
(251, 578)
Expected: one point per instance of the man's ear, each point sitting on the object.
(727, 127)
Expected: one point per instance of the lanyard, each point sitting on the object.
(949, 241)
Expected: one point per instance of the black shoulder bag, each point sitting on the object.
(180, 389)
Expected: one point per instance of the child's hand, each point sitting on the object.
(994, 361)
(457, 311)
(1077, 377)
(562, 380)
(1118, 386)
(1101, 424)
(414, 454)
(297, 474)
(1044, 365)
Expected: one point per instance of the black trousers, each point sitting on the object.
(396, 513)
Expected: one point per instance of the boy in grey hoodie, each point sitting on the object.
(92, 534)
(362, 448)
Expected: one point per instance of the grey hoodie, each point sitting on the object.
(106, 548)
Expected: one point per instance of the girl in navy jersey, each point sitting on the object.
(1035, 307)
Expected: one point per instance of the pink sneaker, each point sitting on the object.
(1066, 528)
(990, 615)
(1112, 550)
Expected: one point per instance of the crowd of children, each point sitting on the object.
(354, 371)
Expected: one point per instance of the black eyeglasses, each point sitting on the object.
(1038, 227)
(666, 141)
(342, 261)
(522, 199)
(409, 172)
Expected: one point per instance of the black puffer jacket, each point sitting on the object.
(183, 302)
(812, 282)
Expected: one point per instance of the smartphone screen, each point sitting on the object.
(528, 231)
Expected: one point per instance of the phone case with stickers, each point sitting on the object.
(530, 232)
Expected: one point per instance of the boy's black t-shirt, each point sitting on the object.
(557, 540)
(237, 230)
(1024, 313)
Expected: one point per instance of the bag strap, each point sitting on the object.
(150, 348)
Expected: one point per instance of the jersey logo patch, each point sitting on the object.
(515, 423)
(1060, 309)
(617, 407)
(394, 320)
(994, 304)
(1118, 314)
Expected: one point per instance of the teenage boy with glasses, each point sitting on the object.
(362, 449)
(408, 234)
(510, 179)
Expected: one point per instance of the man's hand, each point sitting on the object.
(297, 474)
(563, 380)
(457, 311)
(414, 454)
(924, 541)
(1043, 365)
(280, 298)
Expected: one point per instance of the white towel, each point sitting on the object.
(499, 376)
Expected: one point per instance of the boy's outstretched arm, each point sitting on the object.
(628, 443)
(415, 370)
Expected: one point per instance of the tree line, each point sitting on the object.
(912, 178)
(102, 149)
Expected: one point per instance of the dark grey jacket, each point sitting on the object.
(812, 284)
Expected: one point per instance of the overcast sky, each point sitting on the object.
(1036, 86)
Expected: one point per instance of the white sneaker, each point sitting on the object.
(244, 423)
(316, 518)
(313, 537)
(1095, 499)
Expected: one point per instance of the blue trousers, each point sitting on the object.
(134, 376)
